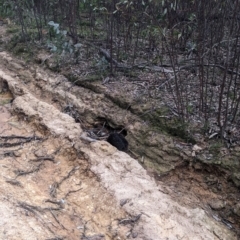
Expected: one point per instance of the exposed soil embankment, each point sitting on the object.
(55, 185)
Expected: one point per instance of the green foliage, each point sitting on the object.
(102, 64)
(215, 148)
(13, 29)
(54, 30)
(6, 8)
(180, 129)
(182, 35)
(59, 42)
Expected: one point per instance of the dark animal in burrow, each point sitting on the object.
(118, 141)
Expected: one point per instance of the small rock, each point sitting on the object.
(197, 166)
(196, 148)
(15, 66)
(18, 153)
(40, 153)
(188, 153)
(236, 179)
(217, 204)
(26, 76)
(134, 234)
(237, 149)
(124, 201)
(236, 209)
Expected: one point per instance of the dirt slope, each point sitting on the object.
(55, 185)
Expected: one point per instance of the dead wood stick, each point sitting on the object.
(57, 220)
(24, 140)
(130, 220)
(68, 175)
(21, 172)
(47, 158)
(56, 185)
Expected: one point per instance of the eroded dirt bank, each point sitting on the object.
(55, 185)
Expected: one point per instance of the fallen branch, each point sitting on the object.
(33, 208)
(39, 159)
(53, 190)
(57, 220)
(94, 237)
(72, 191)
(68, 175)
(56, 185)
(21, 172)
(8, 154)
(23, 140)
(107, 56)
(134, 219)
(60, 203)
(210, 65)
(56, 238)
(14, 182)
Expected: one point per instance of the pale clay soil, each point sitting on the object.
(57, 185)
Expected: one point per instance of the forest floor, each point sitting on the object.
(56, 184)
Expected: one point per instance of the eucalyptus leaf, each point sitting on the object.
(78, 45)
